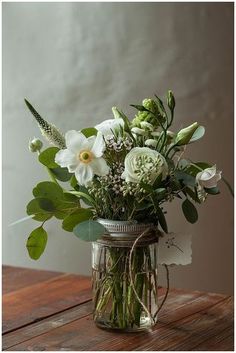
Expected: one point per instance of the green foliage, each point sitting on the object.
(89, 131)
(35, 207)
(36, 243)
(189, 211)
(78, 216)
(49, 190)
(61, 174)
(161, 219)
(186, 178)
(89, 230)
(47, 157)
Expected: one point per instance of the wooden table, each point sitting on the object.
(45, 310)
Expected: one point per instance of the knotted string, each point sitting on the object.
(152, 318)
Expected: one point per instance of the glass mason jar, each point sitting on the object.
(125, 282)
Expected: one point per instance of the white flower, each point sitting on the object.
(83, 156)
(107, 127)
(144, 164)
(208, 178)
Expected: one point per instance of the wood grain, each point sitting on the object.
(40, 300)
(56, 314)
(14, 278)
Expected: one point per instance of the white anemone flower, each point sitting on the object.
(107, 127)
(83, 156)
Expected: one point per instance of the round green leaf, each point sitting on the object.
(48, 190)
(89, 230)
(80, 215)
(47, 157)
(46, 205)
(189, 211)
(36, 243)
(34, 207)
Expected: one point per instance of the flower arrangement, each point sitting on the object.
(120, 170)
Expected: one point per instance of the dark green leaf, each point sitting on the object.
(61, 174)
(46, 204)
(161, 219)
(47, 157)
(89, 230)
(141, 108)
(189, 211)
(187, 179)
(75, 218)
(36, 243)
(34, 208)
(192, 194)
(48, 190)
(89, 131)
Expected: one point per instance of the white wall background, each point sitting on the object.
(74, 61)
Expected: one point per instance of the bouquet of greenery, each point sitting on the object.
(122, 170)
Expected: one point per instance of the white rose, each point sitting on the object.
(208, 178)
(107, 126)
(142, 163)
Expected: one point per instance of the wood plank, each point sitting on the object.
(224, 341)
(46, 325)
(187, 333)
(54, 321)
(71, 336)
(33, 303)
(14, 278)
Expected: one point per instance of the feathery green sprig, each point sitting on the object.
(49, 131)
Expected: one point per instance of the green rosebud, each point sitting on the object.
(35, 145)
(184, 136)
(171, 100)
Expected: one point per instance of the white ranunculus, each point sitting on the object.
(208, 178)
(143, 162)
(83, 156)
(107, 127)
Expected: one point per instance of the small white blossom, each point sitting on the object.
(138, 131)
(151, 143)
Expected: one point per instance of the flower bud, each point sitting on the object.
(138, 131)
(35, 145)
(146, 125)
(184, 136)
(116, 113)
(171, 100)
(151, 143)
(150, 104)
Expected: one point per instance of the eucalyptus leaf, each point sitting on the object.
(36, 243)
(89, 230)
(48, 190)
(47, 157)
(78, 216)
(186, 178)
(190, 211)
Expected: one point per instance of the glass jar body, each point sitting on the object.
(125, 287)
